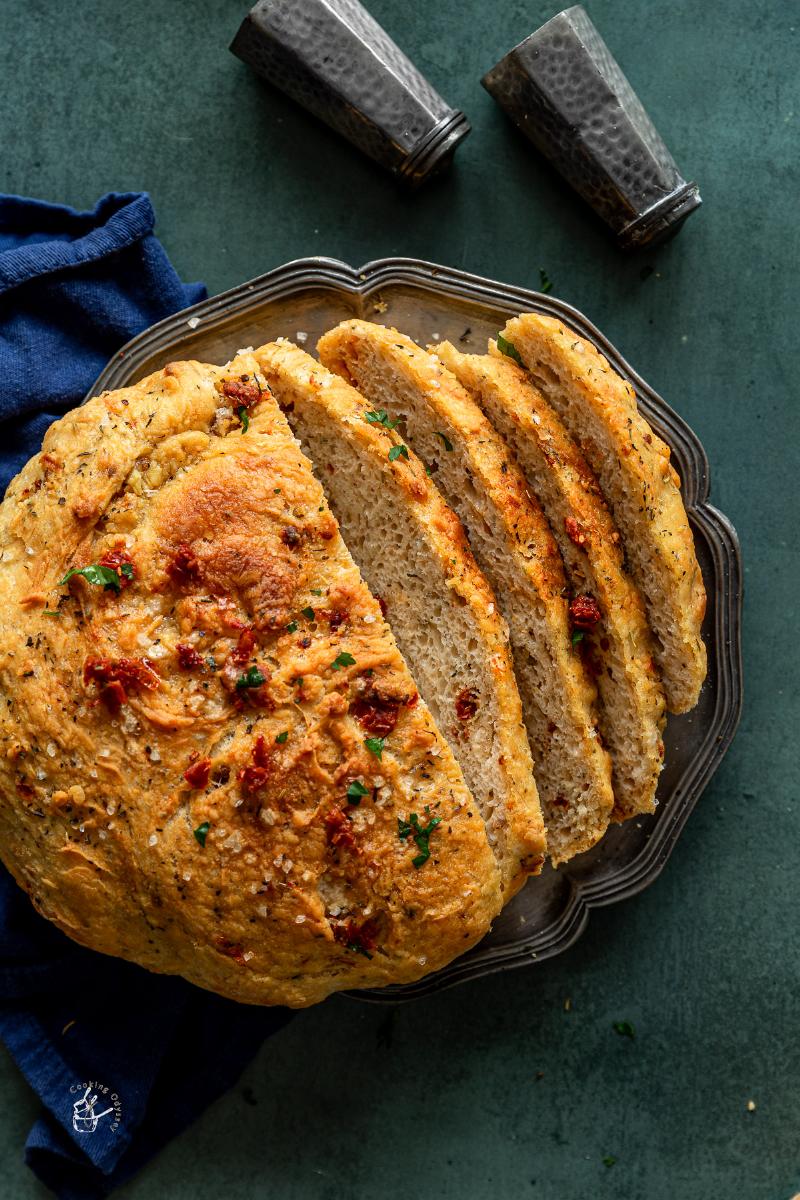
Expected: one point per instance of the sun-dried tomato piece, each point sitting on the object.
(243, 393)
(335, 617)
(115, 677)
(574, 532)
(584, 612)
(339, 829)
(188, 657)
(197, 775)
(115, 560)
(376, 712)
(245, 646)
(466, 704)
(362, 938)
(183, 567)
(255, 778)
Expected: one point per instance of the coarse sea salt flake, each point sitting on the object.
(152, 840)
(299, 920)
(301, 335)
(193, 322)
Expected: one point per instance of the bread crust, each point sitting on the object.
(303, 385)
(618, 648)
(640, 485)
(154, 806)
(483, 472)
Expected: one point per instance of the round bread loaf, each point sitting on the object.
(215, 762)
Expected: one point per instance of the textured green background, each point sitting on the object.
(441, 1099)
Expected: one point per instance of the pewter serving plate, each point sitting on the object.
(430, 303)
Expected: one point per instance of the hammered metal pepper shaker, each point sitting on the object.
(564, 90)
(332, 57)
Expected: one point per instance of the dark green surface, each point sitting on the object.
(442, 1098)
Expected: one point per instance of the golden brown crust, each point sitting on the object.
(198, 692)
(642, 471)
(298, 379)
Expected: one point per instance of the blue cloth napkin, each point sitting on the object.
(122, 1060)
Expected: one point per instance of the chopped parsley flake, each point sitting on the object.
(100, 575)
(544, 281)
(343, 660)
(355, 791)
(308, 612)
(241, 413)
(609, 1160)
(398, 451)
(252, 678)
(577, 636)
(448, 445)
(281, 738)
(380, 417)
(202, 832)
(375, 746)
(508, 348)
(316, 591)
(291, 627)
(421, 835)
(624, 1029)
(50, 612)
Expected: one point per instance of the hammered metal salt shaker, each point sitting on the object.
(335, 60)
(564, 90)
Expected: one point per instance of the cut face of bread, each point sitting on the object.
(413, 553)
(606, 609)
(641, 487)
(215, 761)
(513, 545)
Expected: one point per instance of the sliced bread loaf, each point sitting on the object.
(514, 546)
(212, 803)
(641, 487)
(606, 609)
(414, 554)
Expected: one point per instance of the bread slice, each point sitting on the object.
(640, 485)
(514, 546)
(616, 642)
(414, 554)
(191, 775)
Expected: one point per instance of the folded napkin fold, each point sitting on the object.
(122, 1060)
